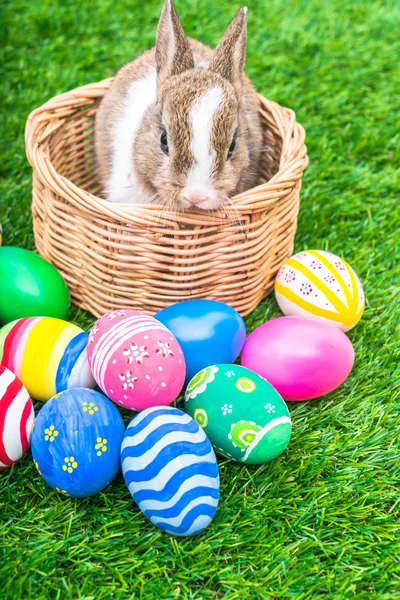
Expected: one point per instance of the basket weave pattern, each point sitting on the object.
(117, 256)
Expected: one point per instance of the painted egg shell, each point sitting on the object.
(242, 414)
(171, 470)
(34, 287)
(320, 285)
(76, 442)
(208, 332)
(302, 358)
(1, 235)
(135, 360)
(16, 418)
(48, 355)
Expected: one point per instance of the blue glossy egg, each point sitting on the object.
(76, 442)
(209, 332)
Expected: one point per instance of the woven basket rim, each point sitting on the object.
(45, 120)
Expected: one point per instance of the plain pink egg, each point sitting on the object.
(135, 360)
(302, 358)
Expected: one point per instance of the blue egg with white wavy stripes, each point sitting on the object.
(76, 442)
(171, 470)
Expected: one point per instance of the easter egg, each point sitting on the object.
(242, 414)
(48, 355)
(34, 287)
(16, 418)
(301, 357)
(320, 285)
(135, 360)
(171, 471)
(76, 442)
(208, 332)
(1, 235)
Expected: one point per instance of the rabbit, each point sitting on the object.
(179, 126)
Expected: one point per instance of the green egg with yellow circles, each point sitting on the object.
(244, 417)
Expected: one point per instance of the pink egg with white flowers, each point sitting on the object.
(135, 360)
(301, 357)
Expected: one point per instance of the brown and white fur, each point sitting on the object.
(179, 126)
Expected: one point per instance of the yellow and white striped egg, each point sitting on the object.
(319, 284)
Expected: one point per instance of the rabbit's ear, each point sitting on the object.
(230, 54)
(173, 52)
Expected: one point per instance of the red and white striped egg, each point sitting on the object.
(16, 418)
(320, 285)
(135, 360)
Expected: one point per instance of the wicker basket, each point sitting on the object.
(115, 256)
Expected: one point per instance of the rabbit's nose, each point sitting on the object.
(194, 199)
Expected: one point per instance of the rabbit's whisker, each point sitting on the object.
(230, 210)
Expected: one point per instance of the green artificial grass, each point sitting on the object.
(321, 521)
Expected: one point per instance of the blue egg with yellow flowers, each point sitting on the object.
(76, 442)
(209, 332)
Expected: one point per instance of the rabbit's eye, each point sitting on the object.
(232, 148)
(164, 142)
